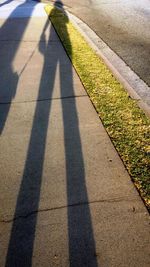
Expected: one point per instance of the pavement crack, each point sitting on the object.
(30, 57)
(28, 41)
(84, 203)
(42, 100)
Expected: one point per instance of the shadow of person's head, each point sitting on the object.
(58, 17)
(58, 4)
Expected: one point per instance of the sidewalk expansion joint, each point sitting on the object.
(19, 40)
(78, 204)
(42, 100)
(30, 41)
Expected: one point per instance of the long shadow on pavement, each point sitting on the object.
(81, 239)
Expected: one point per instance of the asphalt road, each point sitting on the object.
(124, 25)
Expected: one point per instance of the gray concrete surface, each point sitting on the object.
(123, 25)
(66, 198)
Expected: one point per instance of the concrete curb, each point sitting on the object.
(136, 88)
(131, 82)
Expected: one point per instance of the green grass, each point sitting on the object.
(126, 124)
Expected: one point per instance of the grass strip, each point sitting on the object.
(126, 124)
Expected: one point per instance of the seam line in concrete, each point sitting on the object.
(29, 41)
(115, 200)
(42, 100)
(28, 60)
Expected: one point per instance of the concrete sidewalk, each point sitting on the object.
(66, 198)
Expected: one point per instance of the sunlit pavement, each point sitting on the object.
(16, 9)
(65, 196)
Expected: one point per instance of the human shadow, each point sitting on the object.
(82, 250)
(11, 34)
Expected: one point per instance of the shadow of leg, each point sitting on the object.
(21, 243)
(82, 250)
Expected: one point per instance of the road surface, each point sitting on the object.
(124, 25)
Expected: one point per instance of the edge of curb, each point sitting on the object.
(131, 78)
(131, 82)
